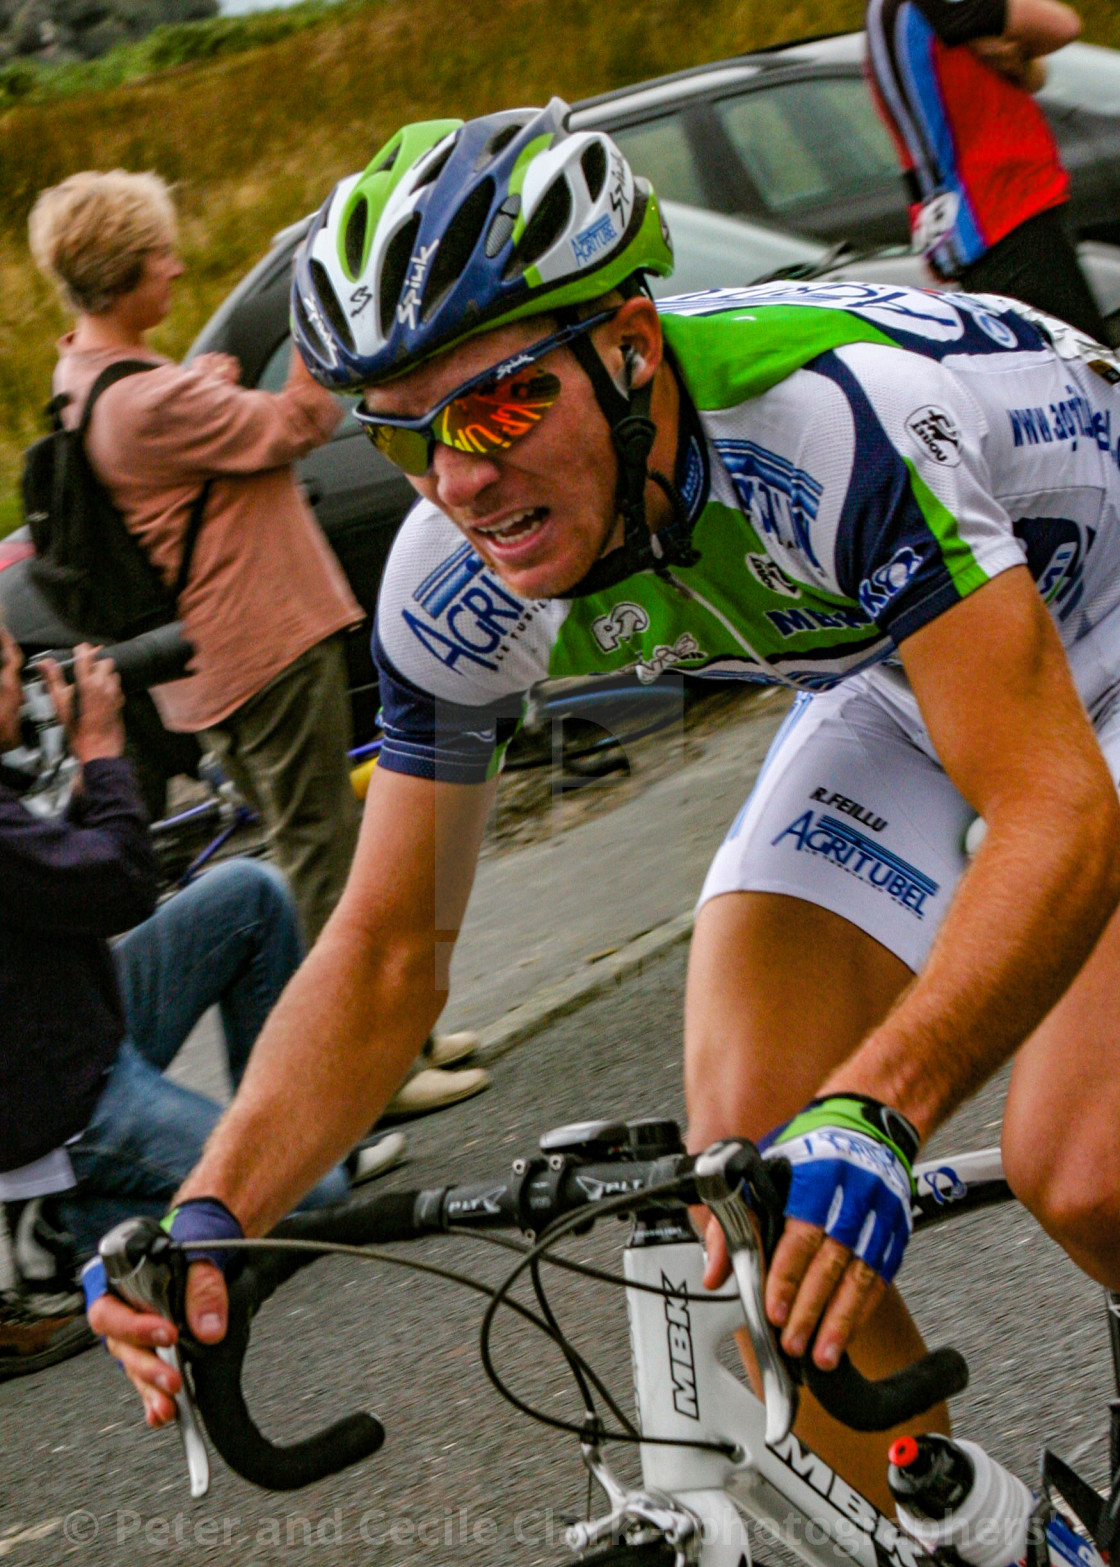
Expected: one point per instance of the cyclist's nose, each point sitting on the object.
(461, 477)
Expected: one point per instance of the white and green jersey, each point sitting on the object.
(857, 460)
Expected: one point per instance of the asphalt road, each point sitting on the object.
(463, 1478)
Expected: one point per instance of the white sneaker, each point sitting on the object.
(432, 1089)
(378, 1153)
(449, 1049)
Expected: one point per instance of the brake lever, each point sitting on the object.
(148, 1272)
(721, 1180)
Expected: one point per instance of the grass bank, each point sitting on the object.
(253, 119)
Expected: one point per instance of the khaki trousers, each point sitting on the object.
(285, 749)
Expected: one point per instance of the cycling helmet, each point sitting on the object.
(456, 228)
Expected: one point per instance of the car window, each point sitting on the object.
(712, 250)
(275, 373)
(660, 151)
(1084, 76)
(803, 142)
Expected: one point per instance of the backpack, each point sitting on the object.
(89, 567)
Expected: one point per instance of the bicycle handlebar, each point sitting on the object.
(536, 1193)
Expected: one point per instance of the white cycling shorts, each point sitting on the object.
(853, 812)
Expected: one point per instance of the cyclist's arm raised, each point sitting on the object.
(338, 1044)
(996, 693)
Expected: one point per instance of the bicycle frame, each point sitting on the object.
(683, 1391)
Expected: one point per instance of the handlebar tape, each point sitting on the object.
(216, 1369)
(866, 1405)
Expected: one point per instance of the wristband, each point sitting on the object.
(203, 1219)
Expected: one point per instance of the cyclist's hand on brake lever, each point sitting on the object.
(847, 1220)
(132, 1336)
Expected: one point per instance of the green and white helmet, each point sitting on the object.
(455, 228)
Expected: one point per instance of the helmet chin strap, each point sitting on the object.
(632, 432)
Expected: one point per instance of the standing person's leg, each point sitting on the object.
(819, 907)
(286, 748)
(1038, 264)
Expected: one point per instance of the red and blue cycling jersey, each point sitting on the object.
(976, 151)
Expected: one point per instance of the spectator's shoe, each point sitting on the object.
(43, 1255)
(32, 1338)
(448, 1049)
(379, 1152)
(431, 1089)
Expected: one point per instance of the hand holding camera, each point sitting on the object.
(90, 709)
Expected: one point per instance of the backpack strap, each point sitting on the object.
(190, 538)
(108, 377)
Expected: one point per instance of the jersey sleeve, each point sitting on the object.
(919, 528)
(430, 737)
(959, 21)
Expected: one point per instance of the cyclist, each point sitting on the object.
(902, 504)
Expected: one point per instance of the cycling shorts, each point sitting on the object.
(853, 812)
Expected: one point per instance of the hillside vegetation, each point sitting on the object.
(254, 119)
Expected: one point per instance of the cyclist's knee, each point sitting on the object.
(1069, 1191)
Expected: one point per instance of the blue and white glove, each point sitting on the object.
(199, 1219)
(852, 1160)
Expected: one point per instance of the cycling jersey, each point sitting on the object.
(977, 154)
(860, 460)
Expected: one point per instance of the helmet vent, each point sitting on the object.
(387, 160)
(503, 225)
(394, 269)
(354, 241)
(434, 169)
(310, 331)
(594, 166)
(499, 142)
(328, 299)
(544, 229)
(457, 247)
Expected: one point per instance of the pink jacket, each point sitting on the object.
(264, 586)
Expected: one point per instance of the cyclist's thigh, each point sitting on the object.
(822, 901)
(1063, 1105)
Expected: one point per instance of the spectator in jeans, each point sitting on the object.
(91, 1130)
(953, 80)
(266, 601)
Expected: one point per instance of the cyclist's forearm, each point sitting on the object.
(1026, 917)
(1039, 27)
(326, 1064)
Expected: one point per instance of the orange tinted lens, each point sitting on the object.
(492, 418)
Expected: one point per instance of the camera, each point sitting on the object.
(149, 659)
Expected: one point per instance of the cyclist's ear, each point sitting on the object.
(630, 343)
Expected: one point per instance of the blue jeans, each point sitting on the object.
(231, 939)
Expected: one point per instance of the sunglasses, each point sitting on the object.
(488, 413)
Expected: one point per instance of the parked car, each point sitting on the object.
(790, 136)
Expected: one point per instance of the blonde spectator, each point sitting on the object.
(266, 600)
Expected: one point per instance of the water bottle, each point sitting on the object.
(951, 1496)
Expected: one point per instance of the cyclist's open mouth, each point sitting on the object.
(511, 536)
